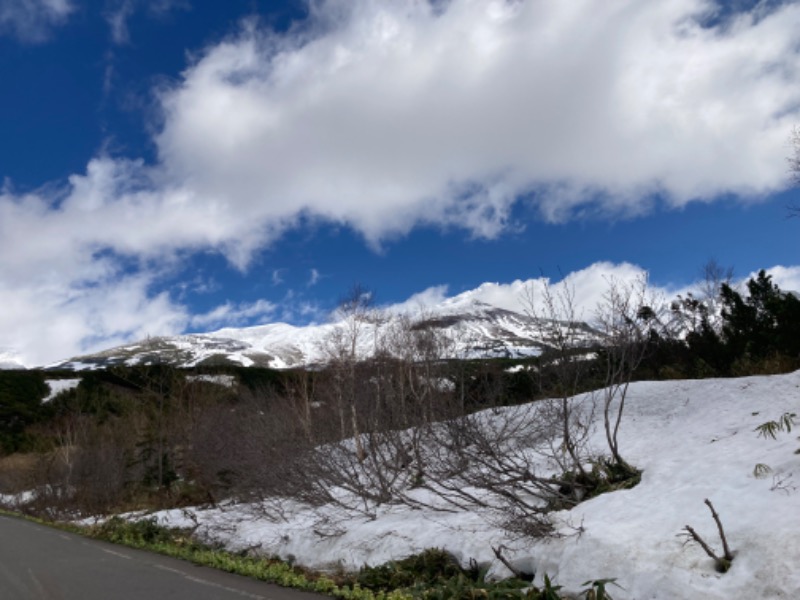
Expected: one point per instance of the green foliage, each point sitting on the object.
(605, 476)
(759, 333)
(435, 575)
(770, 429)
(139, 534)
(258, 379)
(761, 470)
(462, 587)
(766, 321)
(550, 591)
(147, 534)
(103, 395)
(21, 394)
(596, 589)
(426, 568)
(156, 474)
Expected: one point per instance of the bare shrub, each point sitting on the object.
(629, 317)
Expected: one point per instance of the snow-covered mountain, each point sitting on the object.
(472, 328)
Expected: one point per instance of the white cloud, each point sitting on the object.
(48, 317)
(313, 277)
(231, 314)
(117, 17)
(388, 114)
(586, 286)
(32, 20)
(420, 301)
(83, 276)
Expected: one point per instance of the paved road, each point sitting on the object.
(40, 563)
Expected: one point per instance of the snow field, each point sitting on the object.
(693, 440)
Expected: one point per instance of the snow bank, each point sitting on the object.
(693, 439)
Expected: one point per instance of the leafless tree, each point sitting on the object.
(628, 317)
(501, 461)
(357, 320)
(555, 314)
(394, 390)
(712, 277)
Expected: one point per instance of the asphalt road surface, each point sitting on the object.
(41, 563)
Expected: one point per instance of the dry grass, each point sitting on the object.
(18, 472)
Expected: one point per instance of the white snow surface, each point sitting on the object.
(60, 385)
(227, 381)
(693, 440)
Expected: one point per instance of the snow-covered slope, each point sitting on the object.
(475, 329)
(693, 440)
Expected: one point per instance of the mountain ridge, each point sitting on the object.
(472, 328)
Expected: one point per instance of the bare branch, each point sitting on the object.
(723, 563)
(728, 555)
(498, 552)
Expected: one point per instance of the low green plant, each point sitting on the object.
(148, 534)
(770, 429)
(605, 476)
(462, 587)
(435, 574)
(550, 591)
(427, 568)
(596, 589)
(761, 470)
(144, 532)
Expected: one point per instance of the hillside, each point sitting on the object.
(693, 440)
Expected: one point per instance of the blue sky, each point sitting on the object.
(175, 165)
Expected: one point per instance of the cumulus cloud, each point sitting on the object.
(230, 314)
(47, 317)
(587, 287)
(33, 20)
(384, 115)
(421, 301)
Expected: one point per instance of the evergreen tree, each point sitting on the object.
(765, 322)
(21, 394)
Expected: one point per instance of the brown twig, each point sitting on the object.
(725, 547)
(723, 562)
(696, 537)
(498, 552)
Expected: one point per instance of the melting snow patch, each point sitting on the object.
(60, 385)
(225, 380)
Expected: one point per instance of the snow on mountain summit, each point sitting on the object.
(476, 328)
